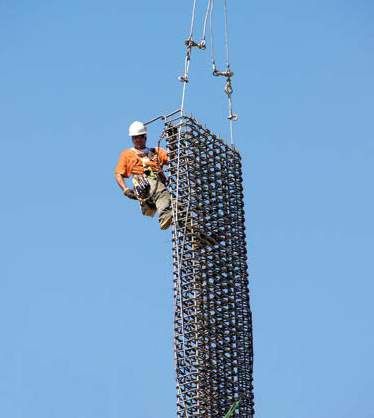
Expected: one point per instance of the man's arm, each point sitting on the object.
(121, 182)
(126, 190)
(120, 173)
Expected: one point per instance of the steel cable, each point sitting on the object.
(203, 36)
(212, 51)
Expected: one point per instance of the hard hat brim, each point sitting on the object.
(138, 134)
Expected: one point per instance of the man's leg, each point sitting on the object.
(148, 209)
(161, 198)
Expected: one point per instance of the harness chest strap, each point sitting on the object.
(145, 156)
(140, 181)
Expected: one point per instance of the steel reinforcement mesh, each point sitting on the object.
(212, 320)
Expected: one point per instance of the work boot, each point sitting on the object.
(166, 222)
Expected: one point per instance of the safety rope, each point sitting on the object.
(184, 78)
(189, 43)
(179, 256)
(179, 284)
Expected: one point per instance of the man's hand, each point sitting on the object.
(130, 194)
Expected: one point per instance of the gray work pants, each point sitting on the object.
(159, 200)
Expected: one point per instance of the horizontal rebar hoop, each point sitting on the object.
(212, 319)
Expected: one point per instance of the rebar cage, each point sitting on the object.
(213, 344)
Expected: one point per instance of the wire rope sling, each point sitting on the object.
(190, 44)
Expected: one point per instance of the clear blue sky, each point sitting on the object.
(85, 281)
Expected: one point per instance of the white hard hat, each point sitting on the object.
(137, 128)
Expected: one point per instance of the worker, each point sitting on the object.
(149, 181)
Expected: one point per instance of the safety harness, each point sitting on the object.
(142, 186)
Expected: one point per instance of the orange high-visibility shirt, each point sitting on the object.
(130, 162)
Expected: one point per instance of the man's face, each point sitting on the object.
(139, 141)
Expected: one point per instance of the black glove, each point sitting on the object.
(130, 194)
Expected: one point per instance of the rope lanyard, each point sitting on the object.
(190, 43)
